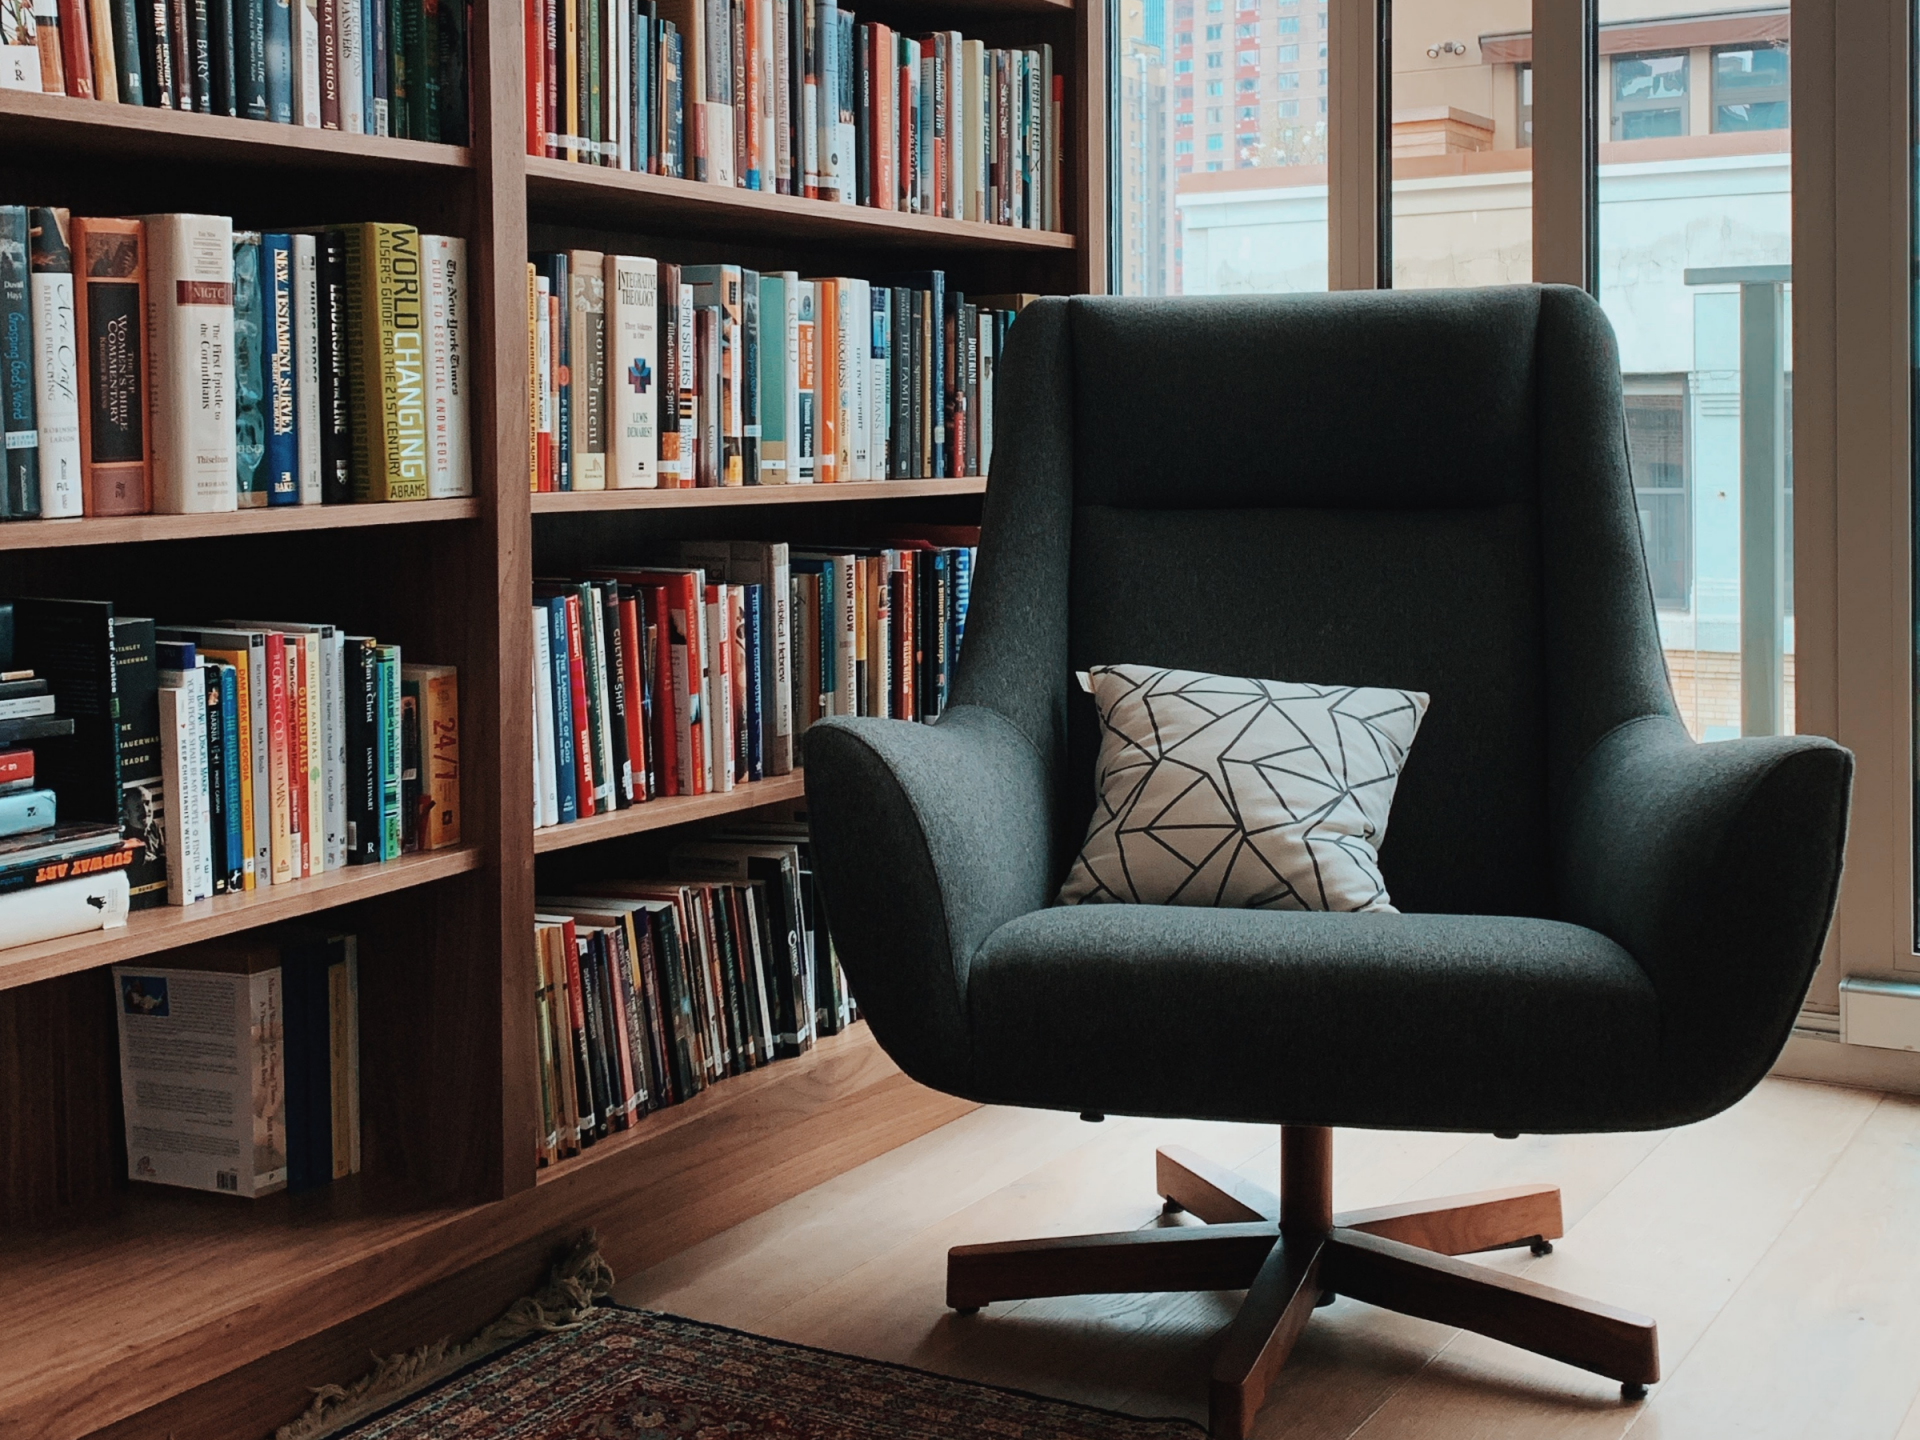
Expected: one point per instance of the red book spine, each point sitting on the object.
(535, 39)
(582, 726)
(76, 49)
(653, 599)
(296, 661)
(689, 603)
(577, 1026)
(904, 623)
(631, 639)
(551, 25)
(15, 766)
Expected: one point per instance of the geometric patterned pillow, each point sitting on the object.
(1236, 793)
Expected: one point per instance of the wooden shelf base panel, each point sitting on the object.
(231, 524)
(672, 810)
(59, 125)
(181, 1290)
(147, 932)
(574, 502)
(596, 195)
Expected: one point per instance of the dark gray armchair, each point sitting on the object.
(1607, 926)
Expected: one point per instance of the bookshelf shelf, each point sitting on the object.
(60, 125)
(235, 524)
(670, 811)
(658, 203)
(574, 502)
(147, 932)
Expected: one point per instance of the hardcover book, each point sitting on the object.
(449, 468)
(385, 320)
(20, 460)
(191, 362)
(250, 342)
(56, 375)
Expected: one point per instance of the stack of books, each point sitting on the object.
(798, 97)
(374, 67)
(703, 672)
(644, 374)
(240, 1065)
(173, 364)
(649, 990)
(207, 760)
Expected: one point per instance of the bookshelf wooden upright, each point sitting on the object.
(135, 1311)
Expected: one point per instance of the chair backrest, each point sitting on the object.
(1423, 490)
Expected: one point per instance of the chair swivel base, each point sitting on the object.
(1291, 1253)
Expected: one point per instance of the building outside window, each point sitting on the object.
(1657, 449)
(1523, 117)
(1286, 54)
(1649, 96)
(1750, 87)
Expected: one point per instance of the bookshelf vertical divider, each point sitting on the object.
(136, 1311)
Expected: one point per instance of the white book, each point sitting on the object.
(770, 98)
(202, 1077)
(190, 363)
(716, 634)
(56, 382)
(956, 78)
(880, 396)
(859, 373)
(633, 364)
(967, 141)
(184, 821)
(71, 907)
(353, 59)
(306, 75)
(449, 367)
(719, 142)
(605, 787)
(253, 644)
(543, 360)
(306, 364)
(545, 771)
(782, 112)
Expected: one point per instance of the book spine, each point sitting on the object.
(191, 392)
(281, 831)
(362, 757)
(306, 348)
(20, 477)
(280, 61)
(328, 63)
(390, 752)
(386, 323)
(333, 748)
(56, 372)
(561, 682)
(279, 344)
(440, 739)
(336, 375)
(633, 373)
(585, 741)
(379, 68)
(587, 338)
(199, 14)
(353, 61)
(252, 285)
(449, 471)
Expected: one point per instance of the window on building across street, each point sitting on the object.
(1214, 31)
(1247, 87)
(1287, 80)
(1289, 109)
(1245, 30)
(1287, 25)
(1249, 112)
(1657, 449)
(1649, 96)
(1183, 147)
(1286, 54)
(1212, 165)
(1216, 87)
(1213, 114)
(1182, 39)
(1216, 142)
(1750, 87)
(1249, 57)
(1523, 91)
(1213, 60)
(1185, 118)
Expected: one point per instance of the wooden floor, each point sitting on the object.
(1778, 1246)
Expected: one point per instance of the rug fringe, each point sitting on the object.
(564, 1301)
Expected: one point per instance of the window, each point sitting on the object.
(1249, 57)
(1212, 165)
(1183, 147)
(1750, 88)
(1323, 19)
(1213, 60)
(1287, 25)
(1249, 112)
(1183, 39)
(1216, 88)
(1523, 89)
(1286, 55)
(1247, 87)
(1184, 94)
(1180, 67)
(1322, 81)
(1184, 119)
(1657, 450)
(1213, 114)
(1289, 109)
(1245, 32)
(1213, 32)
(1287, 80)
(1216, 142)
(1649, 96)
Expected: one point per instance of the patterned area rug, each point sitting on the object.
(637, 1375)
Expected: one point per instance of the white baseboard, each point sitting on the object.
(1816, 1054)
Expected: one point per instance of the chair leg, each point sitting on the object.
(1192, 1182)
(1601, 1338)
(1278, 1305)
(1219, 1257)
(1466, 1224)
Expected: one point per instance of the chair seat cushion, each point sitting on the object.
(1441, 1022)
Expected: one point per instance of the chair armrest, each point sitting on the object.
(926, 839)
(1717, 868)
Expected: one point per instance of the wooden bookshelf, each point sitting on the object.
(238, 524)
(575, 502)
(134, 1311)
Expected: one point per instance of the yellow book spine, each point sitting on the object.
(385, 319)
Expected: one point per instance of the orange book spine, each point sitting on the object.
(826, 381)
(110, 318)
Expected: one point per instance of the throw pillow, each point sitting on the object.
(1220, 791)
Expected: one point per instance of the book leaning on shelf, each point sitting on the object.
(172, 364)
(797, 98)
(649, 990)
(645, 374)
(375, 67)
(703, 672)
(240, 1065)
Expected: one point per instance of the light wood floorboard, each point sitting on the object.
(1778, 1246)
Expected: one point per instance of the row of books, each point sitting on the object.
(173, 364)
(643, 374)
(799, 97)
(240, 1065)
(702, 673)
(647, 991)
(374, 67)
(194, 761)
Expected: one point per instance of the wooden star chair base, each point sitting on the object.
(1291, 1253)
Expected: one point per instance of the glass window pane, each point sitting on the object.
(1695, 251)
(1222, 130)
(1460, 154)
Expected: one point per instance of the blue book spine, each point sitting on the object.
(961, 582)
(377, 58)
(25, 811)
(230, 779)
(250, 57)
(390, 757)
(565, 777)
(366, 66)
(279, 53)
(282, 401)
(752, 603)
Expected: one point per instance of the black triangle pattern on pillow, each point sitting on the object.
(1221, 791)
